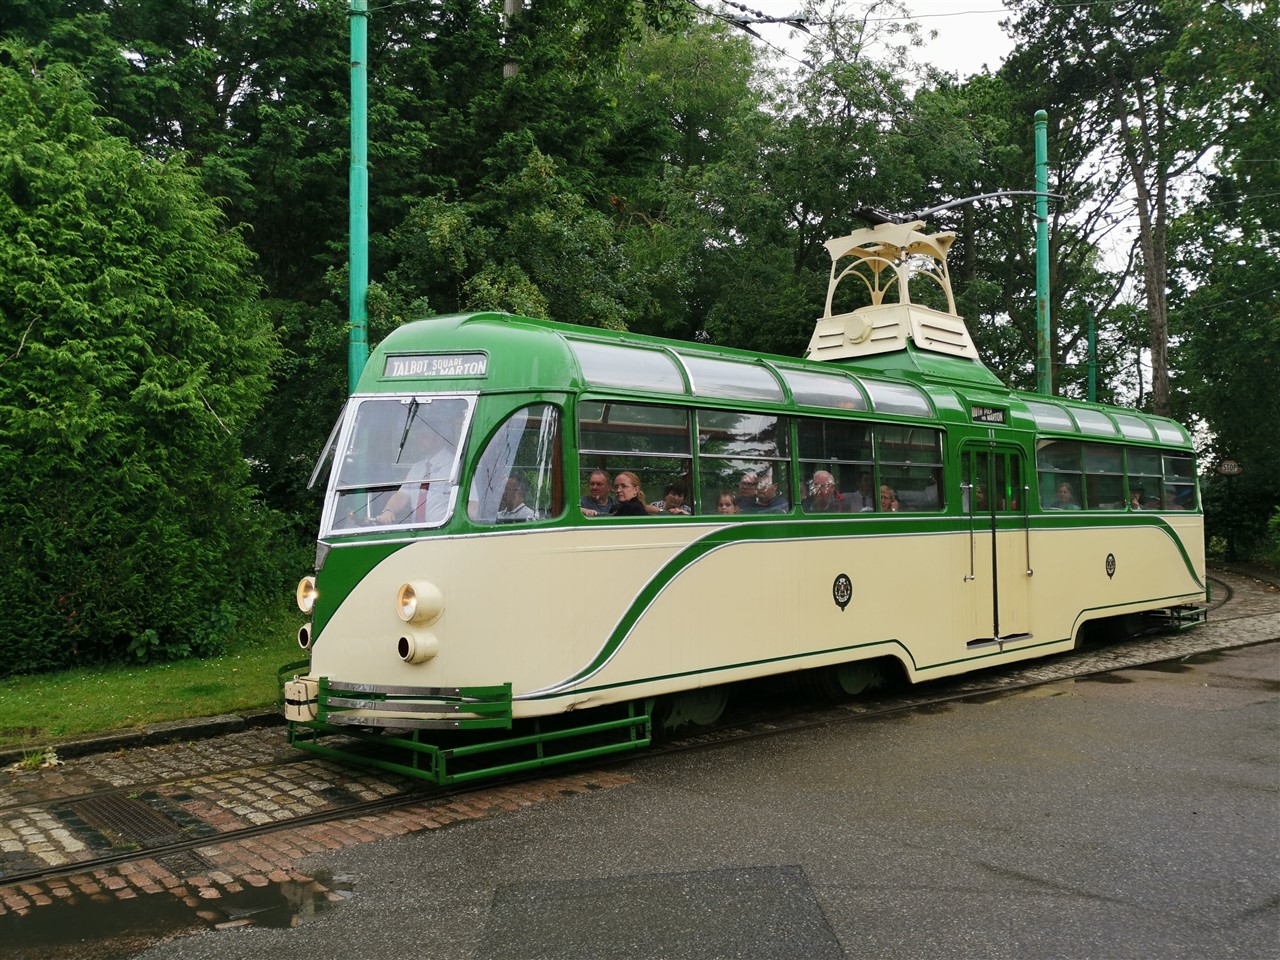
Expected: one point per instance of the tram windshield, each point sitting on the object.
(397, 463)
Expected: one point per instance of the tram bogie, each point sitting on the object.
(885, 507)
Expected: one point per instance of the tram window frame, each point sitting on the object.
(1104, 477)
(1059, 461)
(1180, 486)
(1145, 477)
(847, 458)
(507, 456)
(758, 444)
(667, 460)
(912, 475)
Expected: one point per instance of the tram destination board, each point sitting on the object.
(436, 365)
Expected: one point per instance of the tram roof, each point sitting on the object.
(503, 352)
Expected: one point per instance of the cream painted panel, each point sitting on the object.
(751, 602)
(532, 608)
(535, 608)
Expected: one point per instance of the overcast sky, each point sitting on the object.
(969, 33)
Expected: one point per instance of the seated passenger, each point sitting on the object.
(673, 500)
(597, 502)
(888, 499)
(726, 503)
(863, 500)
(631, 502)
(768, 498)
(747, 486)
(1064, 498)
(823, 495)
(512, 508)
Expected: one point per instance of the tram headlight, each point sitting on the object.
(420, 602)
(307, 594)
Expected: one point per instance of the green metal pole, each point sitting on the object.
(1044, 367)
(1093, 356)
(358, 230)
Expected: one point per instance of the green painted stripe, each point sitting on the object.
(731, 666)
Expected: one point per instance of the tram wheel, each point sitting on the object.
(697, 708)
(848, 679)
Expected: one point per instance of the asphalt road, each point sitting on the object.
(1124, 815)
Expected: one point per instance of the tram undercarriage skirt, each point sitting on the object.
(476, 743)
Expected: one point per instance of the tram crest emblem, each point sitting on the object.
(842, 591)
(1111, 565)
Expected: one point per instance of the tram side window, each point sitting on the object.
(746, 456)
(843, 449)
(653, 442)
(1061, 479)
(1145, 479)
(1179, 482)
(1103, 477)
(518, 478)
(910, 460)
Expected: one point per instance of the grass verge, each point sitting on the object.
(38, 711)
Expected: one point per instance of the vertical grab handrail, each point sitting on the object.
(1026, 524)
(968, 500)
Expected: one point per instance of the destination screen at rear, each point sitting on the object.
(437, 365)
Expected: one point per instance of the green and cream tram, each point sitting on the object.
(885, 504)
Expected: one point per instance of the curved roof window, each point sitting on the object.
(1169, 432)
(1135, 428)
(824, 390)
(730, 379)
(1093, 421)
(897, 398)
(1050, 417)
(613, 365)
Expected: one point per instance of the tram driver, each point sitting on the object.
(425, 497)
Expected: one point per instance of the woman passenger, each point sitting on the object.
(1064, 498)
(631, 502)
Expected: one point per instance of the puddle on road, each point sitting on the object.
(80, 928)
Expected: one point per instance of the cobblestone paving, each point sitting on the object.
(179, 784)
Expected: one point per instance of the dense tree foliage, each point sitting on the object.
(133, 354)
(1225, 289)
(621, 163)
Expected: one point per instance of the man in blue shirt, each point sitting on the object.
(598, 502)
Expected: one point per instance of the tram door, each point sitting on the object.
(995, 499)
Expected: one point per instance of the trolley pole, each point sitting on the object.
(358, 224)
(1044, 365)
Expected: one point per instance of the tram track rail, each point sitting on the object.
(394, 791)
